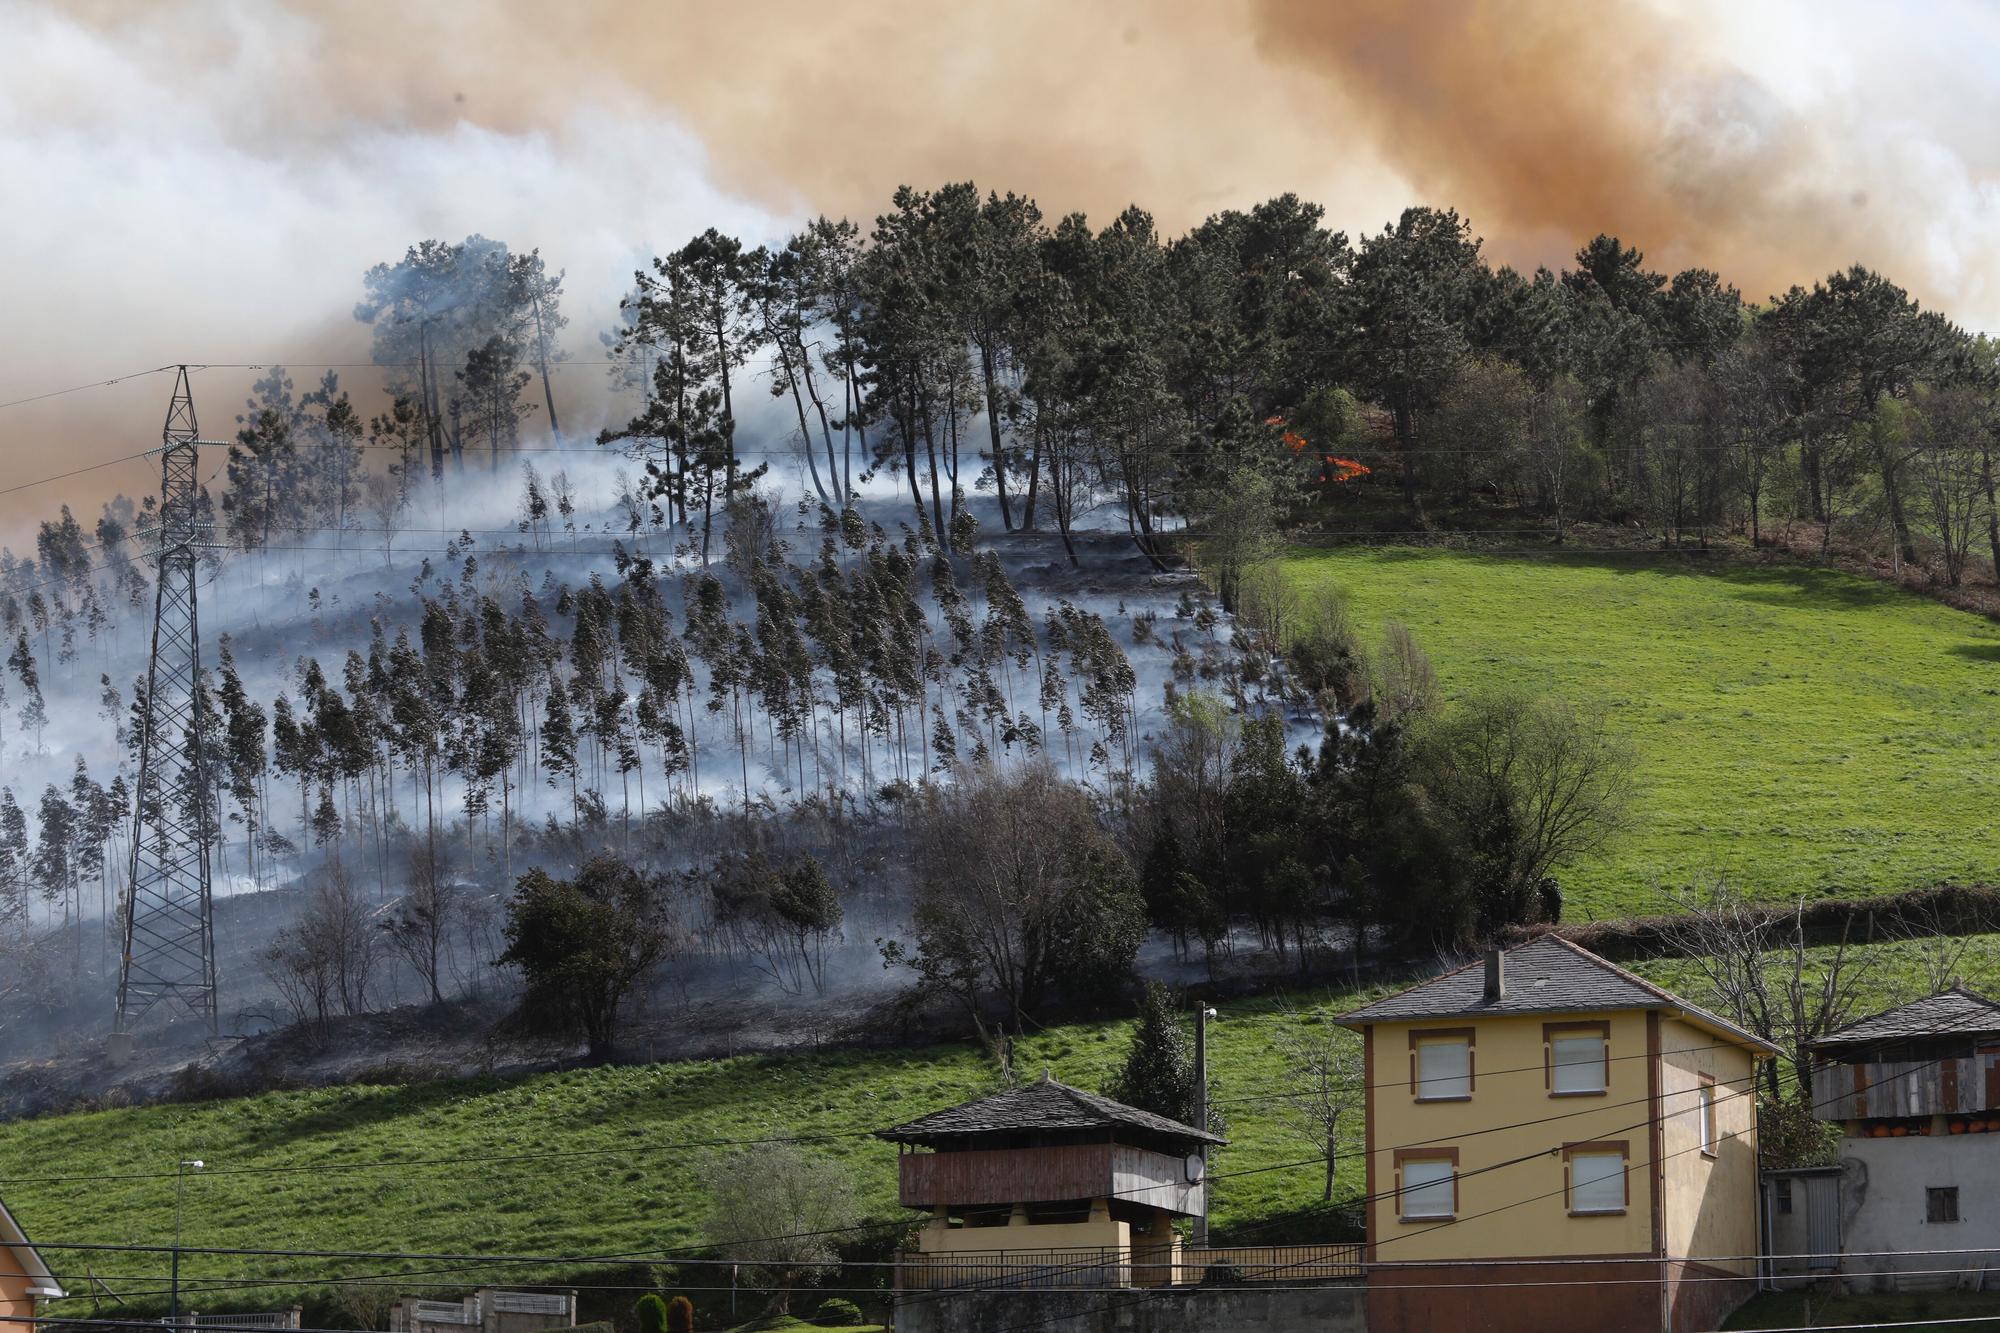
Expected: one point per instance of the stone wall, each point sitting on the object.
(1329, 1309)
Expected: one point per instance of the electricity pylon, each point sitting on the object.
(169, 955)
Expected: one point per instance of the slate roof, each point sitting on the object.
(1954, 1012)
(1548, 975)
(1036, 1108)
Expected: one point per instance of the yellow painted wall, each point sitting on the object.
(15, 1302)
(1509, 1090)
(1100, 1232)
(1711, 1202)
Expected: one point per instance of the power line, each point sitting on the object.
(79, 388)
(830, 1136)
(1652, 1165)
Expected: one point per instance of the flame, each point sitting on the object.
(1340, 471)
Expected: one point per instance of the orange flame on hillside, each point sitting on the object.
(1335, 469)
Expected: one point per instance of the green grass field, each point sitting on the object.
(1800, 731)
(281, 1167)
(381, 1169)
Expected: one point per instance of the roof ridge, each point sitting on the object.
(1578, 980)
(1956, 988)
(1613, 968)
(1662, 993)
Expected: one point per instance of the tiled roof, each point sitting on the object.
(1954, 1012)
(1548, 975)
(1035, 1107)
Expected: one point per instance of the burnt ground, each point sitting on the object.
(56, 999)
(708, 1009)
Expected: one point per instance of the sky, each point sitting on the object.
(201, 181)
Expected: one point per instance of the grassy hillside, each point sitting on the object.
(318, 1170)
(281, 1166)
(1798, 730)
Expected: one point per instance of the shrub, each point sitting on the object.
(680, 1315)
(835, 1312)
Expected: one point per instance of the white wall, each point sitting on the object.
(1882, 1202)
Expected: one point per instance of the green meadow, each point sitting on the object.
(1799, 731)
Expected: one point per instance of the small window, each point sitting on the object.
(1596, 1181)
(1705, 1118)
(1444, 1068)
(1784, 1194)
(1577, 1064)
(1430, 1187)
(1941, 1205)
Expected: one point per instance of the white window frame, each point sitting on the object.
(1447, 1183)
(1620, 1161)
(1434, 1087)
(1587, 1076)
(1704, 1118)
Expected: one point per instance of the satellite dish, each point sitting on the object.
(1194, 1168)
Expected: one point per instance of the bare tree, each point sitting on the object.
(1405, 683)
(419, 926)
(1325, 1083)
(1936, 941)
(323, 963)
(776, 1210)
(1762, 975)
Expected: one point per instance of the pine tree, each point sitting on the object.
(1159, 1072)
(14, 868)
(34, 713)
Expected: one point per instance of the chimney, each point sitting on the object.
(1496, 976)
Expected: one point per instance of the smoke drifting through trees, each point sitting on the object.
(1766, 142)
(552, 686)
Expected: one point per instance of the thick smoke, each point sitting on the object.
(204, 181)
(1773, 154)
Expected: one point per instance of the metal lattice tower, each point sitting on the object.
(169, 956)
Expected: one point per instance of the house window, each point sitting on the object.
(1427, 1186)
(1705, 1116)
(1595, 1177)
(1576, 1058)
(1784, 1193)
(1441, 1065)
(1941, 1204)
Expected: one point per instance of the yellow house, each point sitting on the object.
(25, 1281)
(1555, 1143)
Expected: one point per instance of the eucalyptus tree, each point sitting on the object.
(263, 466)
(14, 864)
(244, 760)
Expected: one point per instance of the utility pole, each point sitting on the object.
(169, 953)
(1202, 1013)
(174, 1290)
